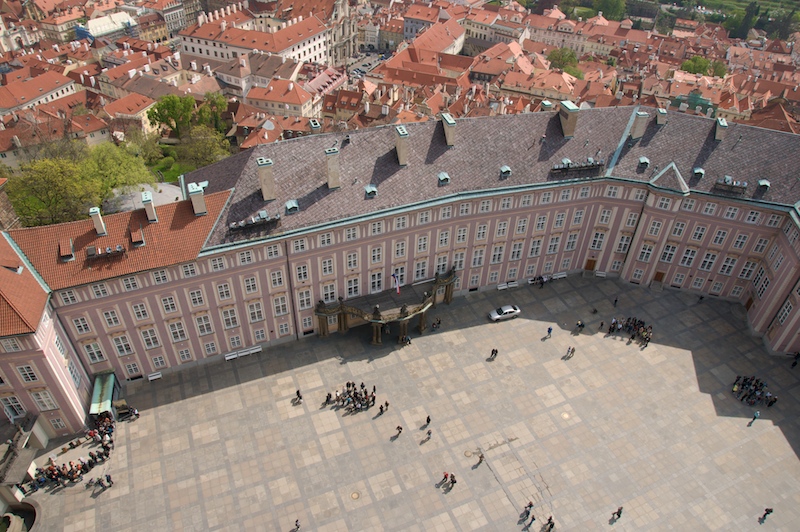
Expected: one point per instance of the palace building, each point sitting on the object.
(305, 235)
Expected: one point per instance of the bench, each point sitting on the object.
(154, 376)
(513, 284)
(532, 280)
(231, 356)
(559, 276)
(502, 286)
(600, 274)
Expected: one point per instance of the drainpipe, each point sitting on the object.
(290, 277)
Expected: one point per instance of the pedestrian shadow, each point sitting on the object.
(423, 441)
(612, 521)
(474, 467)
(490, 359)
(544, 338)
(762, 520)
(394, 438)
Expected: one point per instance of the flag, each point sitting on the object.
(396, 282)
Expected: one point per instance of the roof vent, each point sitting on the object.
(315, 125)
(137, 237)
(444, 179)
(370, 191)
(65, 250)
(699, 173)
(505, 171)
(644, 162)
(763, 183)
(292, 206)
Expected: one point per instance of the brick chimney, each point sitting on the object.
(722, 129)
(97, 218)
(568, 114)
(266, 178)
(334, 171)
(639, 125)
(149, 206)
(198, 200)
(401, 145)
(449, 129)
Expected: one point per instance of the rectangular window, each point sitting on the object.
(752, 217)
(637, 275)
(211, 348)
(245, 257)
(740, 241)
(217, 264)
(229, 318)
(279, 304)
(497, 254)
(731, 213)
(196, 297)
(81, 325)
(530, 270)
(548, 267)
(698, 283)
(458, 260)
(112, 320)
(444, 238)
(778, 262)
(785, 311)
(464, 209)
(236, 341)
(566, 194)
(772, 252)
(710, 209)
(632, 219)
(352, 260)
(255, 311)
(761, 245)
(273, 250)
(677, 229)
(376, 228)
(699, 233)
(302, 273)
(605, 217)
(27, 373)
(423, 217)
(99, 290)
(577, 219)
(572, 242)
(13, 406)
(737, 291)
(325, 239)
(250, 285)
(502, 229)
(327, 266)
(304, 299)
(536, 248)
(512, 274)
(422, 244)
(353, 287)
(485, 206)
(377, 254)
(400, 249)
(477, 258)
(94, 352)
(493, 276)
(261, 335)
(299, 245)
(677, 281)
(160, 276)
(189, 270)
(168, 303)
(727, 265)
(584, 192)
(688, 257)
(664, 203)
(645, 253)
(505, 204)
(763, 287)
(639, 195)
(185, 355)
(516, 251)
(224, 291)
(446, 213)
(277, 278)
(441, 264)
(541, 221)
(461, 235)
(150, 338)
(547, 197)
(623, 244)
(351, 233)
(748, 269)
(474, 280)
(283, 329)
(719, 238)
(203, 325)
(58, 423)
(123, 345)
(552, 247)
(708, 262)
(376, 282)
(669, 253)
(329, 293)
(68, 297)
(559, 220)
(688, 205)
(140, 311)
(420, 270)
(612, 191)
(655, 228)
(44, 400)
(774, 220)
(177, 331)
(526, 201)
(597, 240)
(480, 234)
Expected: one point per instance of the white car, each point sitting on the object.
(506, 312)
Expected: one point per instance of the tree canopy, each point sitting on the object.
(202, 146)
(719, 69)
(612, 9)
(562, 57)
(210, 113)
(175, 112)
(696, 65)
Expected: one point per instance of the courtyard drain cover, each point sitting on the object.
(467, 453)
(355, 495)
(565, 415)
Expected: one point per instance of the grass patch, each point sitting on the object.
(171, 174)
(584, 12)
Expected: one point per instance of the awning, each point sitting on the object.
(103, 393)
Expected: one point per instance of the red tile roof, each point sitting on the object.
(22, 298)
(177, 237)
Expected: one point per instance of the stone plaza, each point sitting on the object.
(656, 430)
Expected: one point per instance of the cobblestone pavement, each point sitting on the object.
(221, 446)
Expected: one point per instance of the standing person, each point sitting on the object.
(619, 512)
(108, 479)
(446, 476)
(481, 458)
(569, 350)
(755, 416)
(615, 301)
(297, 524)
(427, 421)
(601, 325)
(767, 511)
(549, 332)
(386, 405)
(399, 430)
(429, 434)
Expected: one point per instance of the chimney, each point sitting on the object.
(149, 207)
(366, 108)
(547, 105)
(569, 118)
(334, 171)
(639, 125)
(449, 129)
(198, 200)
(316, 127)
(401, 145)
(97, 218)
(384, 110)
(722, 128)
(661, 116)
(266, 177)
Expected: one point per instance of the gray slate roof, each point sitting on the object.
(482, 146)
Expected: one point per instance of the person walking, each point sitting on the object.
(615, 301)
(446, 476)
(549, 332)
(481, 458)
(108, 479)
(297, 524)
(428, 435)
(618, 512)
(767, 511)
(399, 430)
(755, 416)
(427, 421)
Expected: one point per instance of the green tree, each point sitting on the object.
(210, 112)
(175, 112)
(49, 191)
(144, 146)
(612, 9)
(574, 71)
(783, 24)
(740, 25)
(202, 146)
(696, 65)
(114, 167)
(719, 69)
(562, 57)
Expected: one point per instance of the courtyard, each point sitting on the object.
(223, 446)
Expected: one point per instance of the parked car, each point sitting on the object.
(506, 312)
